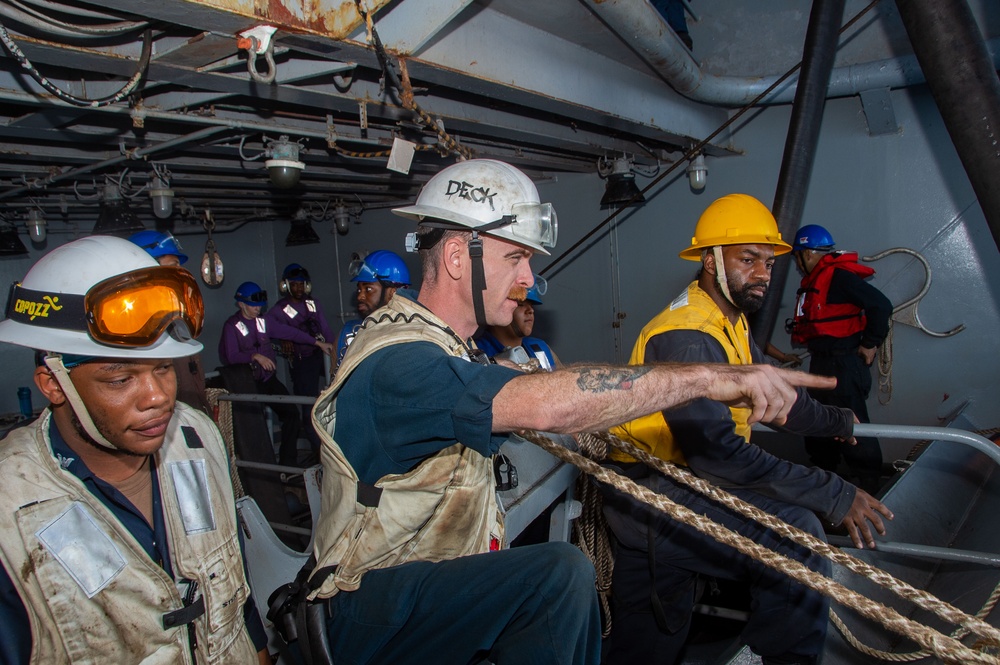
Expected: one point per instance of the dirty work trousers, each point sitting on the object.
(533, 605)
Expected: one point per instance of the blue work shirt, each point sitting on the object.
(15, 646)
(407, 402)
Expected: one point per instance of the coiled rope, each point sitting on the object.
(590, 530)
(945, 647)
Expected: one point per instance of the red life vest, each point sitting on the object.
(814, 316)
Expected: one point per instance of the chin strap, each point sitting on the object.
(61, 375)
(478, 277)
(720, 275)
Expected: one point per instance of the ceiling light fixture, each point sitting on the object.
(621, 187)
(342, 218)
(697, 172)
(160, 193)
(116, 217)
(283, 162)
(301, 231)
(36, 225)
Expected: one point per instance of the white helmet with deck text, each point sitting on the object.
(488, 196)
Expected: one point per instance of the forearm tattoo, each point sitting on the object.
(603, 379)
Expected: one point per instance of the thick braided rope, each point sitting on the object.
(590, 530)
(920, 597)
(224, 420)
(912, 656)
(946, 648)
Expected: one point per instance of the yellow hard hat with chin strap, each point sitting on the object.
(735, 219)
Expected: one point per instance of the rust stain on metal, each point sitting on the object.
(331, 18)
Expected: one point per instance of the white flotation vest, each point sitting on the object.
(444, 508)
(91, 592)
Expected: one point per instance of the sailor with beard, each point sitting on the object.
(736, 241)
(118, 536)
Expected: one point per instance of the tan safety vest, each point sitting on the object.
(92, 593)
(691, 310)
(444, 508)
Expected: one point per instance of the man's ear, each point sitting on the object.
(48, 386)
(455, 256)
(708, 262)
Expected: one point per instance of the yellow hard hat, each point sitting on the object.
(735, 219)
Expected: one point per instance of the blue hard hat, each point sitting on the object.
(812, 236)
(158, 243)
(250, 293)
(293, 272)
(533, 296)
(383, 266)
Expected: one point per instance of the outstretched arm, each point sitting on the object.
(594, 397)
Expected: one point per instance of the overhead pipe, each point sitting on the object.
(639, 25)
(138, 153)
(963, 81)
(819, 50)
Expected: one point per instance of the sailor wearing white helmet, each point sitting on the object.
(118, 533)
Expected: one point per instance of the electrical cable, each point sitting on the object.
(79, 12)
(76, 30)
(125, 91)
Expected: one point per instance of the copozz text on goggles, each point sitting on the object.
(132, 309)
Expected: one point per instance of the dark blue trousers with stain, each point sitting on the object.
(533, 605)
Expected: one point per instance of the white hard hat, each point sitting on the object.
(490, 196)
(54, 319)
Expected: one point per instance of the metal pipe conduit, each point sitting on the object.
(818, 53)
(133, 154)
(639, 24)
(924, 551)
(920, 433)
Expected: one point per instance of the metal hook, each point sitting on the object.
(906, 312)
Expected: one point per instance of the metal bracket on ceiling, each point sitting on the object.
(363, 114)
(906, 312)
(331, 132)
(877, 105)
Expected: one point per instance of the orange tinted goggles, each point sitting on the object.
(136, 308)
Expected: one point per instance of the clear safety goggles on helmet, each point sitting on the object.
(541, 285)
(167, 242)
(533, 222)
(133, 309)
